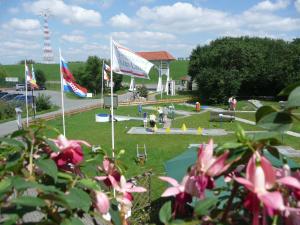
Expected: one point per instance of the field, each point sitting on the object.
(177, 70)
(160, 148)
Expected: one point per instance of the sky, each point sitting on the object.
(83, 27)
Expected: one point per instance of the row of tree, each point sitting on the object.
(244, 67)
(90, 75)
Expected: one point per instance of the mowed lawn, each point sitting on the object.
(177, 70)
(160, 148)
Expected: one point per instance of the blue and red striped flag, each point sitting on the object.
(69, 82)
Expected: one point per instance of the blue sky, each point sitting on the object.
(83, 27)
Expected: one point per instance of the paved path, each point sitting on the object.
(70, 104)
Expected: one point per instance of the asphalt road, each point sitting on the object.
(70, 104)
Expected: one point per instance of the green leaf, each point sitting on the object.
(203, 207)
(240, 134)
(12, 142)
(11, 219)
(276, 121)
(5, 185)
(20, 183)
(294, 99)
(231, 145)
(52, 145)
(114, 212)
(165, 213)
(286, 91)
(72, 221)
(263, 111)
(260, 136)
(18, 133)
(48, 166)
(89, 183)
(77, 198)
(29, 201)
(65, 176)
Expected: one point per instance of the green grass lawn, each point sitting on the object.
(159, 147)
(177, 70)
(51, 70)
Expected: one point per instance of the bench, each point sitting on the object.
(222, 116)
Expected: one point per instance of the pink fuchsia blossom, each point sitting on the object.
(101, 202)
(207, 167)
(109, 169)
(260, 176)
(182, 193)
(125, 189)
(70, 153)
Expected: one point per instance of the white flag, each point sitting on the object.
(129, 63)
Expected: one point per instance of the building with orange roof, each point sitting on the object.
(161, 60)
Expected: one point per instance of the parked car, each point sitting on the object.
(21, 87)
(42, 87)
(20, 100)
(8, 97)
(2, 93)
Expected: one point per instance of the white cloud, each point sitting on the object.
(297, 5)
(260, 21)
(70, 14)
(74, 38)
(146, 37)
(268, 5)
(19, 45)
(122, 21)
(185, 17)
(22, 24)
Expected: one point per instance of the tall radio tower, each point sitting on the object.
(47, 50)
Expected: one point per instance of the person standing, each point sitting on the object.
(145, 120)
(234, 103)
(152, 119)
(140, 109)
(230, 103)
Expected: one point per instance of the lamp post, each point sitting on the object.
(19, 117)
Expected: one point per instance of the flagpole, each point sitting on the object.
(32, 93)
(62, 94)
(111, 100)
(26, 97)
(102, 82)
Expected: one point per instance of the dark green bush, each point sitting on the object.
(243, 67)
(143, 91)
(43, 102)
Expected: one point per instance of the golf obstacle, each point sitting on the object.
(104, 117)
(190, 131)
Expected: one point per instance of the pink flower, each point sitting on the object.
(108, 168)
(70, 152)
(207, 167)
(260, 176)
(125, 189)
(101, 202)
(181, 193)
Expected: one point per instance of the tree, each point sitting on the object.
(90, 76)
(40, 77)
(244, 66)
(28, 61)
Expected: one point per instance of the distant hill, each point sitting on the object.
(177, 69)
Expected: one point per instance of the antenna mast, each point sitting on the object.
(47, 50)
